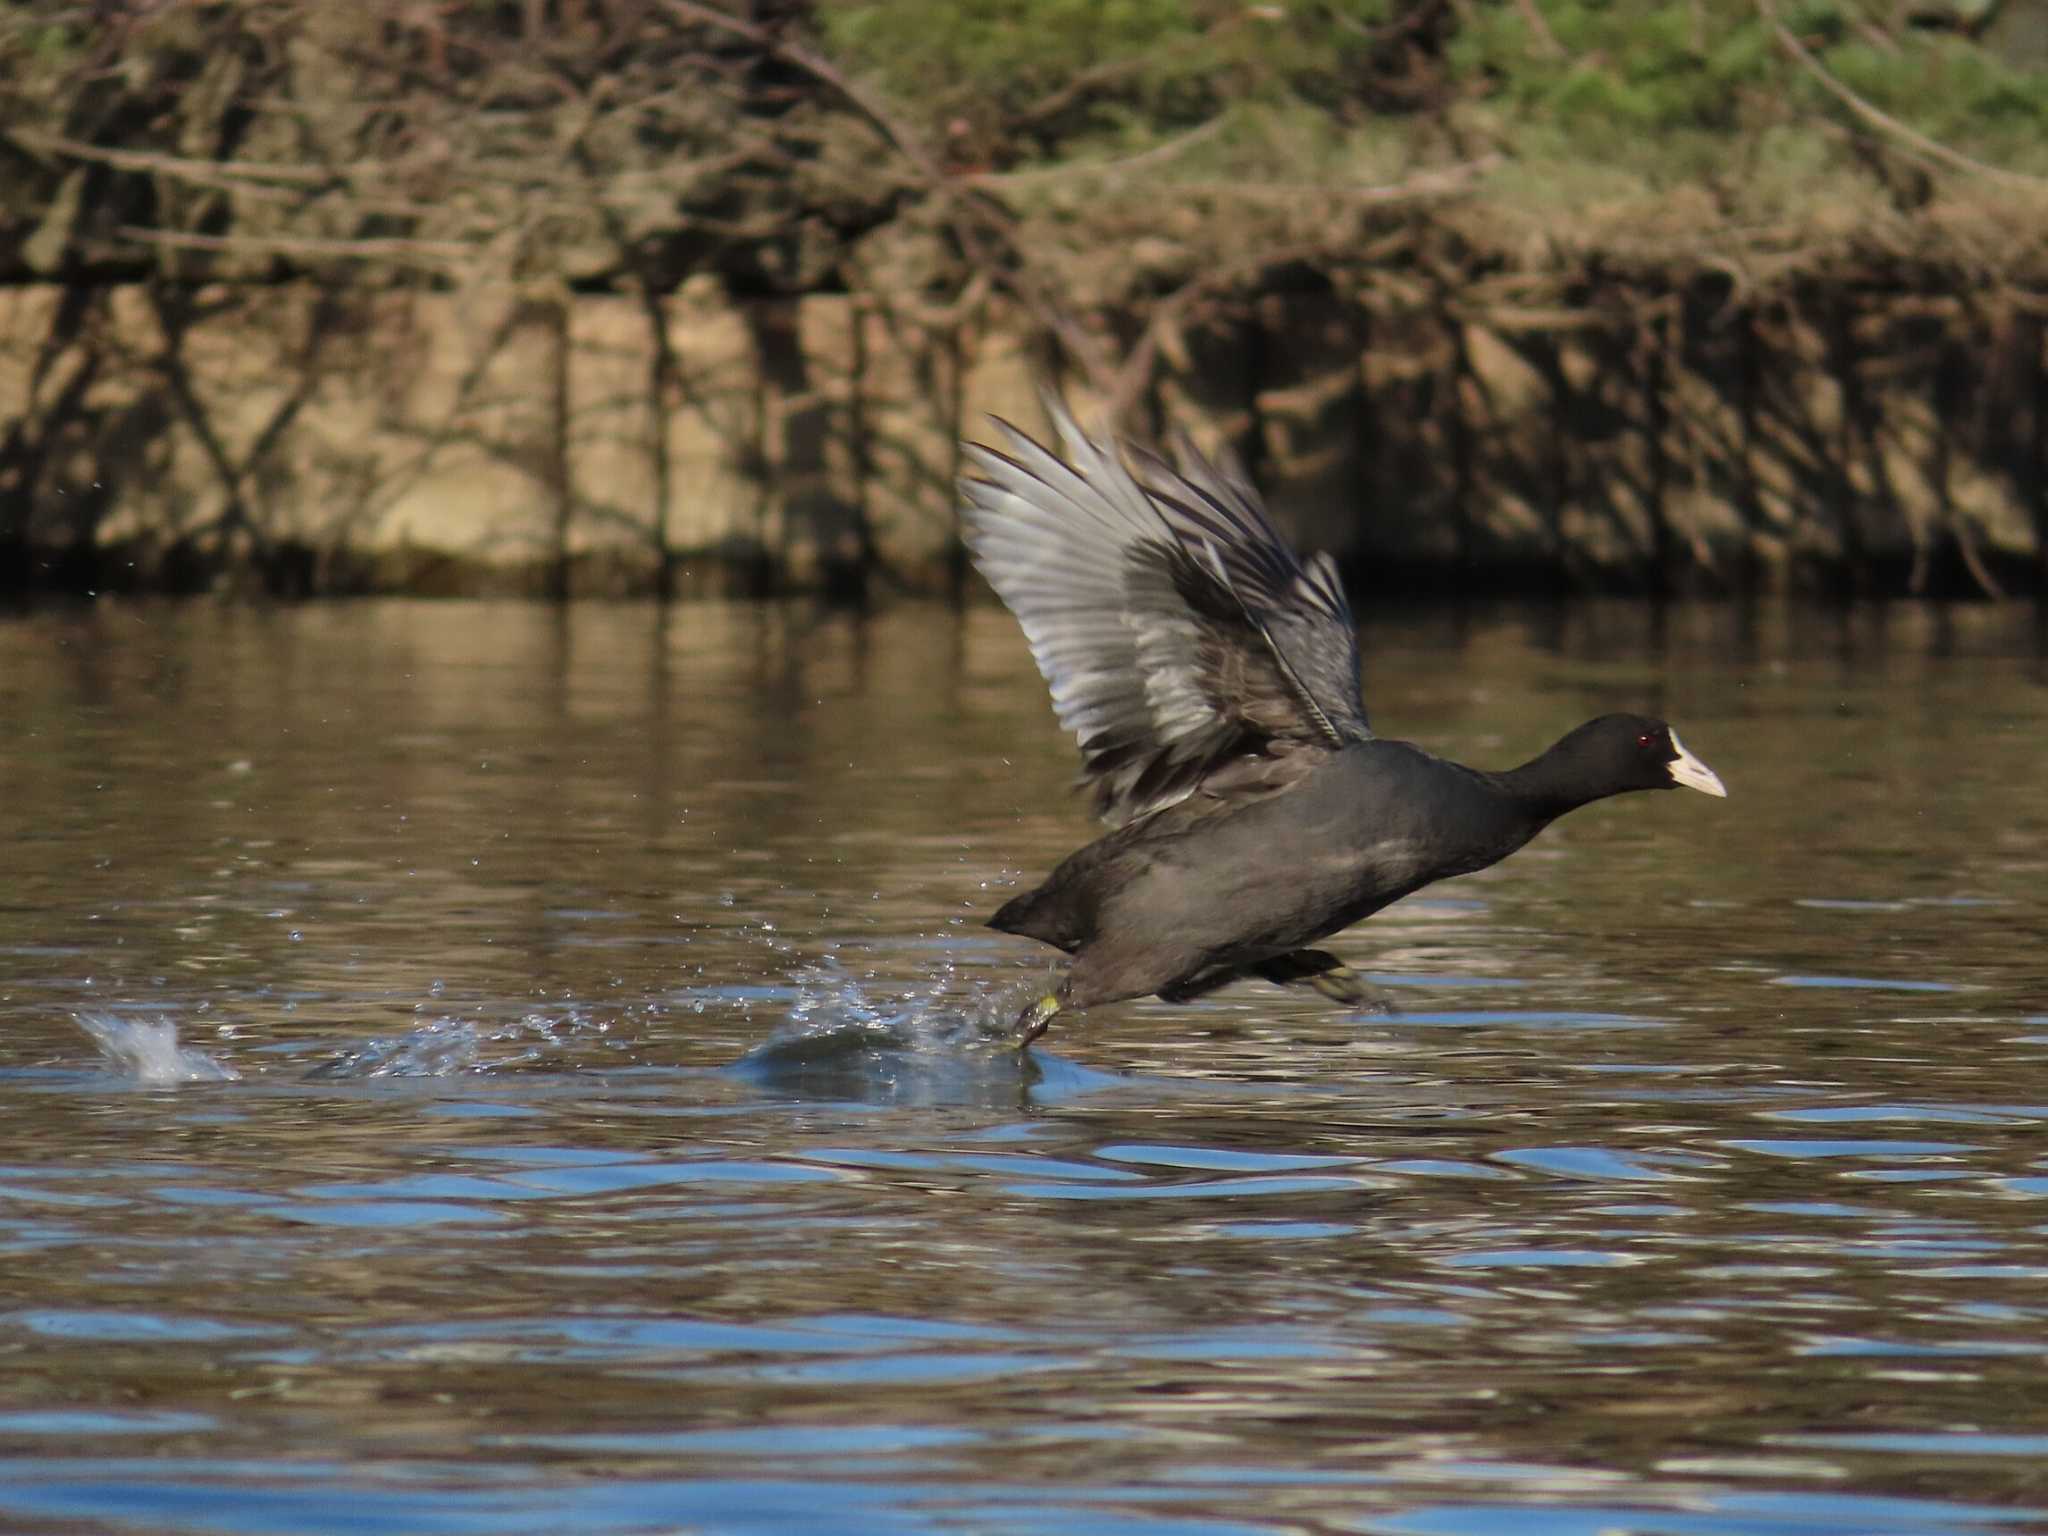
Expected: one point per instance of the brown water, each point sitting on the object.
(1700, 1187)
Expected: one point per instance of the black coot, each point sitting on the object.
(1211, 678)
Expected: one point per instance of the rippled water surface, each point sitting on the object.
(484, 1069)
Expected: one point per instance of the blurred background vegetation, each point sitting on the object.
(1656, 295)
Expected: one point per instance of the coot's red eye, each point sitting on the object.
(1644, 739)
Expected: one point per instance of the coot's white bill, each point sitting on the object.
(1692, 773)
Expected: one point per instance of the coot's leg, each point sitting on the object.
(1036, 1020)
(1330, 976)
(1201, 984)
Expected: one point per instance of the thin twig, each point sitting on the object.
(1158, 152)
(1542, 41)
(1449, 178)
(372, 249)
(1110, 69)
(222, 173)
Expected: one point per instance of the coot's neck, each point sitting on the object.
(1547, 786)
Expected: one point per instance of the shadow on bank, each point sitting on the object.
(297, 440)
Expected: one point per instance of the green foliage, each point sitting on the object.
(1061, 68)
(674, 138)
(1641, 81)
(1637, 87)
(1656, 67)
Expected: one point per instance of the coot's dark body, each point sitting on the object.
(1198, 890)
(1212, 680)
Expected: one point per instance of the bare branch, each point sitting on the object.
(240, 174)
(907, 143)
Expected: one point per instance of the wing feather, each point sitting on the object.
(1177, 631)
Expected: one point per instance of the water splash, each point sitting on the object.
(942, 1012)
(456, 1047)
(941, 1037)
(148, 1051)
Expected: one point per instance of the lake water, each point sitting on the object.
(610, 1146)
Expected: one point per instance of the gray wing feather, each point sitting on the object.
(1178, 633)
(1299, 607)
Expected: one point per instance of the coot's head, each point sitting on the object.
(1616, 753)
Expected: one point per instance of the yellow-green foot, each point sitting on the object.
(1035, 1020)
(1341, 984)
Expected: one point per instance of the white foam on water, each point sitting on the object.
(148, 1051)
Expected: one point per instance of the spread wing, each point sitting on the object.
(1180, 636)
